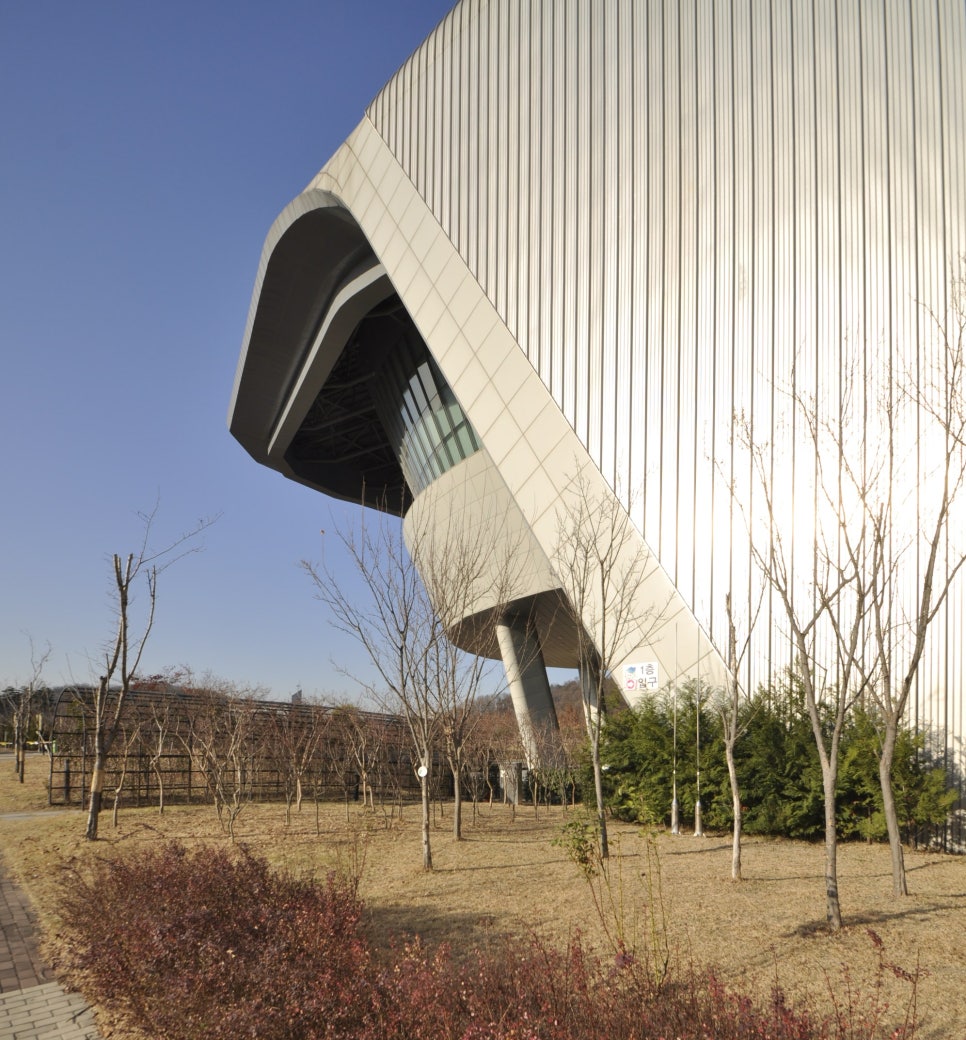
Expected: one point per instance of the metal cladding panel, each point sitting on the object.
(683, 210)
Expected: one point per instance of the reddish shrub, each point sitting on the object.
(213, 945)
(531, 991)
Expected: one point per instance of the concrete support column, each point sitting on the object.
(529, 687)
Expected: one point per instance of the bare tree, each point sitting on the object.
(130, 738)
(826, 608)
(495, 742)
(889, 471)
(908, 571)
(554, 768)
(421, 630)
(363, 738)
(159, 726)
(601, 566)
(350, 753)
(398, 629)
(734, 725)
(23, 702)
(455, 569)
(122, 657)
(886, 541)
(242, 750)
(196, 731)
(295, 734)
(226, 741)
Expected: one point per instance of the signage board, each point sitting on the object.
(641, 678)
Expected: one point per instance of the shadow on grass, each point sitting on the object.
(695, 849)
(918, 913)
(499, 868)
(394, 925)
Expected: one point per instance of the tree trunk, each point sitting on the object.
(591, 689)
(97, 788)
(117, 791)
(736, 812)
(457, 805)
(599, 791)
(19, 748)
(160, 779)
(427, 850)
(833, 912)
(899, 883)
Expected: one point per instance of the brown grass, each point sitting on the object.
(508, 877)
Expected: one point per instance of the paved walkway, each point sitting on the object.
(33, 1005)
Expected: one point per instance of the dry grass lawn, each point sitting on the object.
(508, 877)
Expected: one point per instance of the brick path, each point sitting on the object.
(33, 1005)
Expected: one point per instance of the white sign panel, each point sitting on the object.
(640, 678)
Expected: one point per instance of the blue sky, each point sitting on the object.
(145, 151)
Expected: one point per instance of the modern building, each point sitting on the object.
(600, 243)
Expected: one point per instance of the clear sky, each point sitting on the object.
(145, 151)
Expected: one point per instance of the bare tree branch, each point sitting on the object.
(122, 658)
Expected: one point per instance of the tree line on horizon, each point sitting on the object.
(261, 750)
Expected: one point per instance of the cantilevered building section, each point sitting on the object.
(576, 241)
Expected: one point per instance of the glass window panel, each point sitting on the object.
(425, 424)
(428, 435)
(430, 385)
(466, 441)
(419, 395)
(419, 447)
(410, 413)
(438, 420)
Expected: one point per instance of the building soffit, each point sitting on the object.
(323, 311)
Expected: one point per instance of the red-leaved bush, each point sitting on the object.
(212, 944)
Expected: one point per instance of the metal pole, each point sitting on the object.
(698, 829)
(675, 822)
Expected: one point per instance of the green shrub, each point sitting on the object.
(778, 769)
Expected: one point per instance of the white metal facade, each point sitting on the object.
(669, 203)
(617, 224)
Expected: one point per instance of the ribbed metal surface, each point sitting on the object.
(670, 203)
